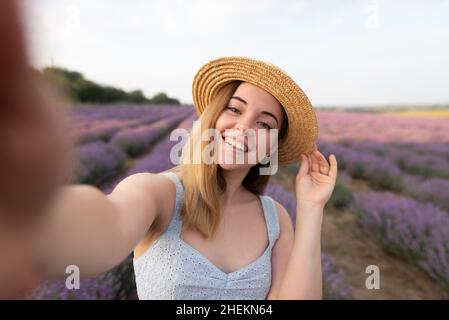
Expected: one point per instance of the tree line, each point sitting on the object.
(81, 90)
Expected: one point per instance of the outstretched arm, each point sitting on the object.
(95, 231)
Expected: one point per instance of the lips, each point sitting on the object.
(236, 145)
(236, 142)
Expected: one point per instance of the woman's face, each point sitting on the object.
(254, 112)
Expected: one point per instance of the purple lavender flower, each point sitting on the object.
(411, 229)
(334, 284)
(96, 161)
(95, 288)
(433, 190)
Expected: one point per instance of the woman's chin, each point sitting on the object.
(230, 161)
(230, 166)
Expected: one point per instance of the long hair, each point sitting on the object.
(204, 183)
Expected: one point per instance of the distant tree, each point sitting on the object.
(137, 96)
(162, 98)
(82, 90)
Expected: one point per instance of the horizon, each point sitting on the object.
(354, 54)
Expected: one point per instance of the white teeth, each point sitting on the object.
(237, 145)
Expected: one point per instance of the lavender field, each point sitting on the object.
(390, 207)
(395, 170)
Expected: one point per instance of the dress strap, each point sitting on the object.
(176, 222)
(272, 218)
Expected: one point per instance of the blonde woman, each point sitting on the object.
(206, 231)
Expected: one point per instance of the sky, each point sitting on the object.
(341, 53)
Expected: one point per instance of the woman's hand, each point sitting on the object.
(316, 179)
(34, 143)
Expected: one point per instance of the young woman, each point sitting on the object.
(206, 231)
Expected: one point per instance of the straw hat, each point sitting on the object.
(302, 130)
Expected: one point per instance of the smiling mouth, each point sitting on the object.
(241, 147)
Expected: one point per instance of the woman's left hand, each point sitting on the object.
(316, 179)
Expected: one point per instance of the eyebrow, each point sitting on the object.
(263, 112)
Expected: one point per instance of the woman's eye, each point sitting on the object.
(234, 110)
(266, 126)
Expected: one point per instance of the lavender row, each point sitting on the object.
(428, 160)
(136, 141)
(87, 113)
(159, 160)
(413, 230)
(111, 285)
(105, 128)
(343, 125)
(334, 283)
(380, 172)
(97, 162)
(372, 164)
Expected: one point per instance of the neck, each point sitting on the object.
(234, 187)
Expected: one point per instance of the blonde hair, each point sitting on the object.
(204, 183)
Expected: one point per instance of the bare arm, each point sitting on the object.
(297, 256)
(303, 275)
(95, 231)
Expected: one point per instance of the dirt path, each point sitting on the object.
(353, 251)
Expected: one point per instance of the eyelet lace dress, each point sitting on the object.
(172, 269)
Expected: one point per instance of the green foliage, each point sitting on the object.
(81, 90)
(137, 96)
(341, 196)
(162, 98)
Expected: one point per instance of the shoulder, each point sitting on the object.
(144, 189)
(145, 181)
(285, 222)
(281, 213)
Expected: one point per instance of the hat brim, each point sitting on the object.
(302, 132)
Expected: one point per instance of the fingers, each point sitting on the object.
(334, 167)
(312, 165)
(316, 162)
(304, 168)
(322, 162)
(319, 163)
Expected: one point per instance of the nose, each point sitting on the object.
(243, 124)
(242, 131)
(240, 127)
